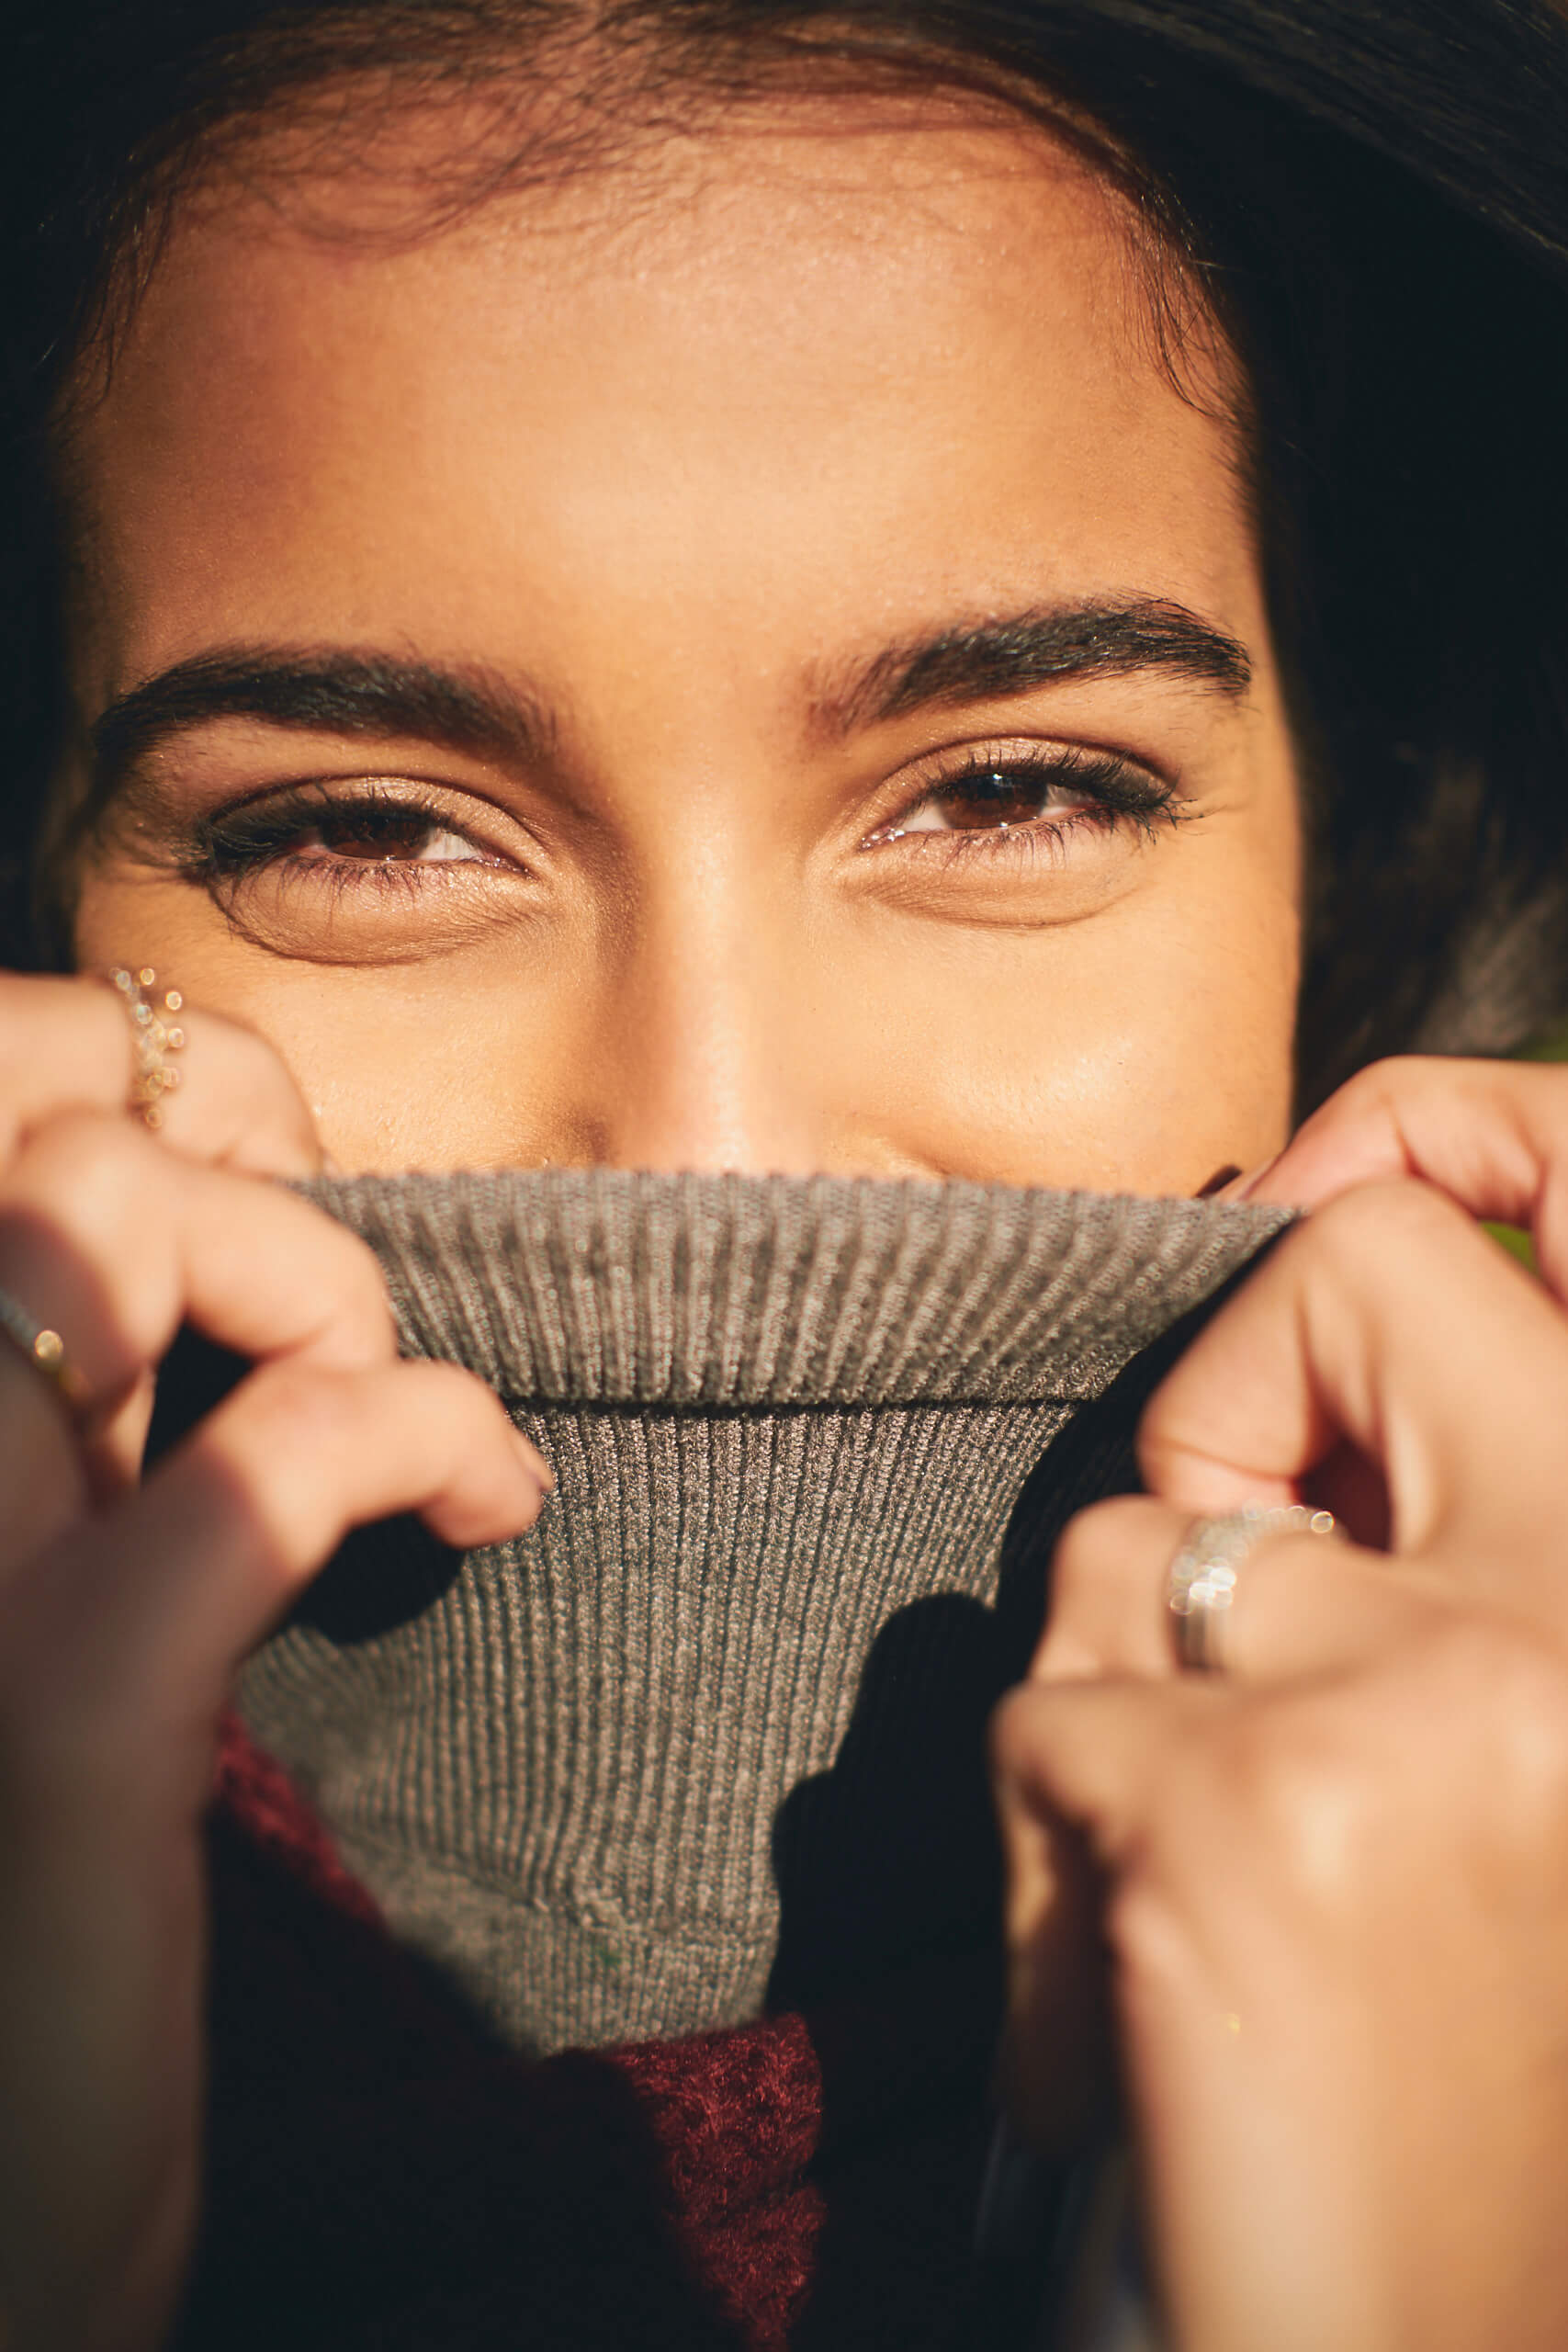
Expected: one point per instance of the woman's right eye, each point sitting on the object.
(361, 870)
(298, 832)
(413, 840)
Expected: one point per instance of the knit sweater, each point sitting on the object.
(701, 1755)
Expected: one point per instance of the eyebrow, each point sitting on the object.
(982, 661)
(321, 691)
(344, 692)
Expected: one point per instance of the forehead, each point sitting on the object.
(811, 362)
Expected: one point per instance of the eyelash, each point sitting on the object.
(1116, 793)
(234, 845)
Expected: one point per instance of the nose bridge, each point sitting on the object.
(703, 1066)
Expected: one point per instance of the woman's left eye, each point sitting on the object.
(1009, 794)
(987, 799)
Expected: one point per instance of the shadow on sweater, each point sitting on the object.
(907, 1805)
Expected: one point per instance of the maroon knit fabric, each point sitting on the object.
(382, 2174)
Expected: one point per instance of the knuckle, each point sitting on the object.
(1148, 1931)
(1455, 1751)
(62, 1046)
(1379, 1085)
(1013, 1730)
(91, 1172)
(293, 1411)
(23, 995)
(1081, 1549)
(255, 1060)
(455, 1402)
(237, 1105)
(1357, 1229)
(252, 1066)
(1305, 1790)
(351, 1280)
(1313, 1808)
(1099, 1553)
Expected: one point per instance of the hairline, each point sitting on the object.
(809, 64)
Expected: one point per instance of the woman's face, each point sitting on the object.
(746, 659)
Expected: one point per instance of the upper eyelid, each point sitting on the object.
(1043, 750)
(298, 802)
(300, 798)
(334, 792)
(1065, 760)
(245, 839)
(933, 770)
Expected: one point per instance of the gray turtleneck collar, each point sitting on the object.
(710, 1733)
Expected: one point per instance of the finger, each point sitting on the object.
(1092, 1754)
(1106, 1615)
(65, 1046)
(1300, 1605)
(1070, 1766)
(114, 1243)
(44, 1483)
(1493, 1136)
(136, 1620)
(1388, 1320)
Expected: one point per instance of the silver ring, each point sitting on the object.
(1200, 1584)
(44, 1350)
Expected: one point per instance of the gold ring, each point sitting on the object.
(45, 1351)
(1201, 1581)
(155, 1033)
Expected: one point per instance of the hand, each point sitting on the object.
(126, 1606)
(1493, 1136)
(1334, 1880)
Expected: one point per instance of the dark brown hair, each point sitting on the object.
(1374, 203)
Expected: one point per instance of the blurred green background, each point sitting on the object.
(1552, 1047)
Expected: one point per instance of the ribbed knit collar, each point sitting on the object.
(712, 1733)
(603, 1287)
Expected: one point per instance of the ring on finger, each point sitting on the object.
(45, 1351)
(1201, 1580)
(155, 1033)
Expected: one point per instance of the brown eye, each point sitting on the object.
(406, 837)
(994, 800)
(1039, 793)
(988, 799)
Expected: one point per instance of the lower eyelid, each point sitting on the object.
(1003, 824)
(419, 871)
(998, 839)
(1045, 842)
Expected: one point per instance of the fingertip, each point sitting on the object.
(528, 1484)
(537, 1487)
(469, 1525)
(534, 1462)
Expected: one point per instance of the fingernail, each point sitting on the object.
(538, 1469)
(1249, 1184)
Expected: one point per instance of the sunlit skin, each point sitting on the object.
(674, 471)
